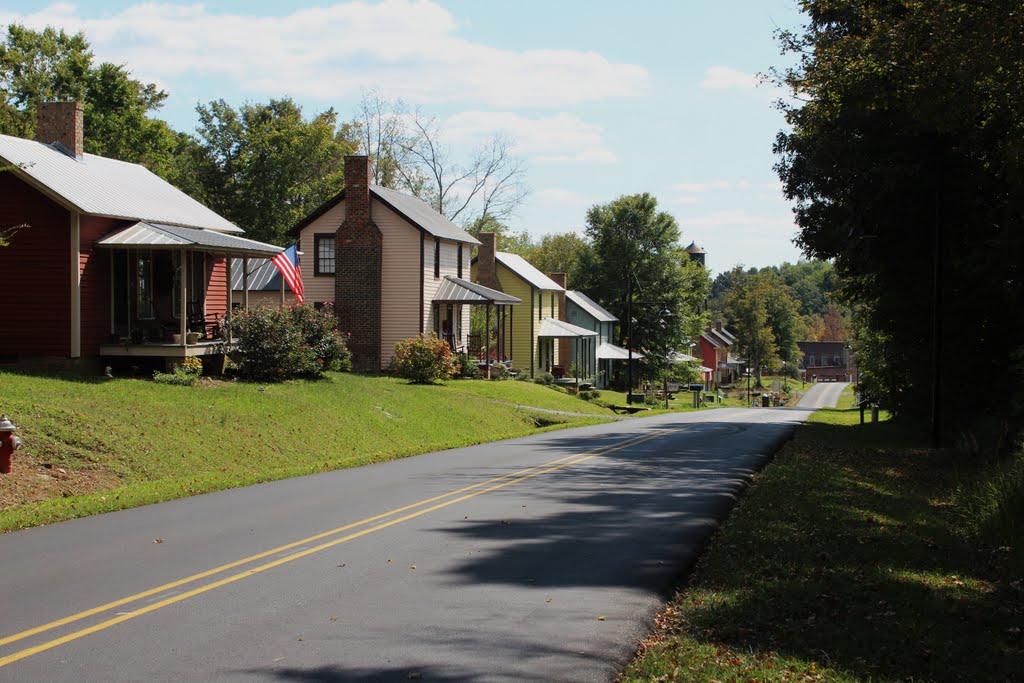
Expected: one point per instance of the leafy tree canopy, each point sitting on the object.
(265, 167)
(905, 163)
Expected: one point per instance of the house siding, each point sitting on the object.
(94, 270)
(318, 288)
(400, 284)
(217, 287)
(36, 273)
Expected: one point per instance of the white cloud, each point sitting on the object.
(562, 197)
(559, 139)
(726, 77)
(410, 48)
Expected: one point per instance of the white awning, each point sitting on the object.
(156, 235)
(559, 329)
(608, 351)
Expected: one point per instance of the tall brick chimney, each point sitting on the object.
(719, 324)
(564, 345)
(61, 122)
(486, 264)
(358, 263)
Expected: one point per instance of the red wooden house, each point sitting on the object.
(108, 259)
(715, 343)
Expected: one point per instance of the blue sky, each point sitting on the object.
(603, 98)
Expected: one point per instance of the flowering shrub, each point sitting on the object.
(192, 365)
(424, 360)
(293, 341)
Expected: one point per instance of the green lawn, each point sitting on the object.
(93, 446)
(846, 561)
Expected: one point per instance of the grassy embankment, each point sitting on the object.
(854, 557)
(93, 446)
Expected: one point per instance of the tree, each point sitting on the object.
(36, 66)
(749, 313)
(505, 239)
(265, 167)
(632, 242)
(409, 154)
(904, 163)
(561, 253)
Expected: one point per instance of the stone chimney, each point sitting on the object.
(486, 264)
(565, 346)
(358, 263)
(61, 122)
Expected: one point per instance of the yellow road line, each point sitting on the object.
(491, 484)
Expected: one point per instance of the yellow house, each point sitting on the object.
(530, 334)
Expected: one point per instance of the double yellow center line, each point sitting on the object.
(369, 525)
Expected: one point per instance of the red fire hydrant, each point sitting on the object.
(8, 444)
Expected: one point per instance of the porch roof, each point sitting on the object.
(459, 291)
(559, 329)
(162, 236)
(608, 351)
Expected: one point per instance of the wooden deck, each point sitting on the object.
(165, 350)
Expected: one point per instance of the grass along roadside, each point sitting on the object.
(93, 446)
(846, 561)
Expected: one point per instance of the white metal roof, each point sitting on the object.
(456, 290)
(594, 309)
(608, 351)
(559, 329)
(107, 187)
(144, 234)
(525, 270)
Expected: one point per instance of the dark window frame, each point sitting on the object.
(437, 257)
(460, 261)
(319, 237)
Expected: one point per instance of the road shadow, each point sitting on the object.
(679, 485)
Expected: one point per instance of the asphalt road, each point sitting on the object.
(539, 558)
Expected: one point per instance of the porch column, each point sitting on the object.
(245, 281)
(183, 311)
(227, 316)
(487, 339)
(508, 331)
(282, 289)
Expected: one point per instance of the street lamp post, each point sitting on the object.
(748, 386)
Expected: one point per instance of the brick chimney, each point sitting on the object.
(565, 346)
(486, 265)
(719, 324)
(61, 122)
(358, 263)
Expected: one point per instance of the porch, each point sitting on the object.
(455, 293)
(585, 348)
(170, 292)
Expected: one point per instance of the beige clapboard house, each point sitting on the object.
(393, 266)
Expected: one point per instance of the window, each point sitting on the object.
(460, 261)
(540, 305)
(437, 257)
(553, 304)
(144, 286)
(323, 254)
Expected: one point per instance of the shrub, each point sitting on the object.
(467, 367)
(424, 360)
(523, 376)
(589, 394)
(545, 378)
(498, 371)
(294, 341)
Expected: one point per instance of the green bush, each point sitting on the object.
(467, 367)
(523, 376)
(589, 394)
(545, 378)
(294, 341)
(498, 371)
(179, 376)
(424, 360)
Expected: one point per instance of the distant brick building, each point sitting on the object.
(829, 361)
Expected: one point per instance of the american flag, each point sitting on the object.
(290, 274)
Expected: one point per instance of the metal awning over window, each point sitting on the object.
(559, 329)
(457, 291)
(160, 236)
(608, 351)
